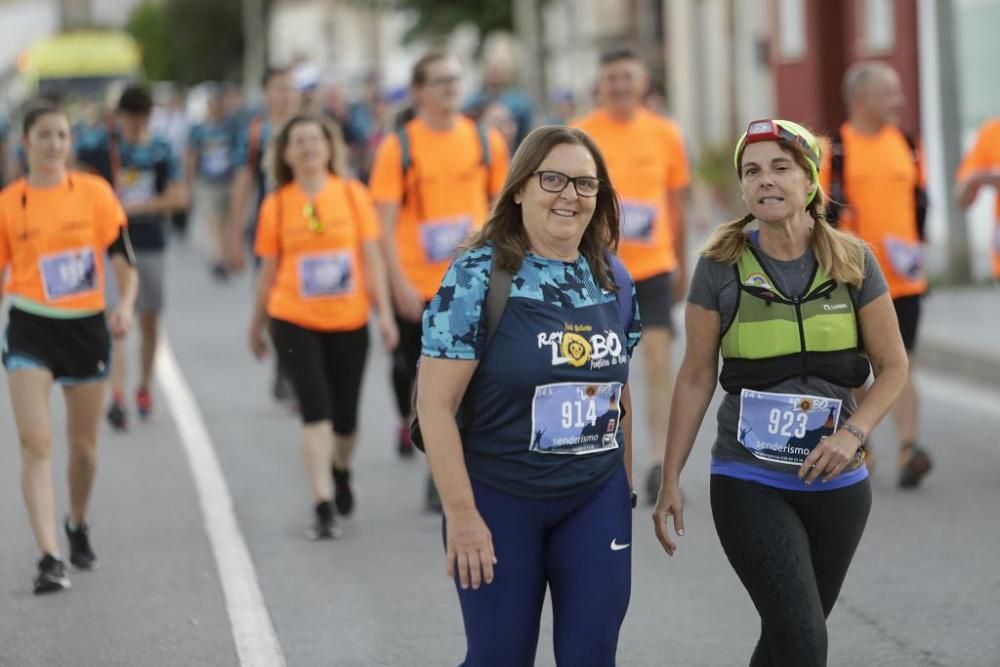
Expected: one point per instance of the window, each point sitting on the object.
(791, 29)
(878, 25)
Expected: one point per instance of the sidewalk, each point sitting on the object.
(960, 333)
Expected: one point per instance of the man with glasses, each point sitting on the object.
(433, 182)
(649, 170)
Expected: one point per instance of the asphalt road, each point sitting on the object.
(924, 589)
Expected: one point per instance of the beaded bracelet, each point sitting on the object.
(856, 432)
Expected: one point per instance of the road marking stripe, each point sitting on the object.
(253, 631)
(953, 390)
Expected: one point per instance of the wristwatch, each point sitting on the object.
(635, 499)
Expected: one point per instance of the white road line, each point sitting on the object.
(253, 632)
(954, 391)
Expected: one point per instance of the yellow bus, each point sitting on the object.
(80, 63)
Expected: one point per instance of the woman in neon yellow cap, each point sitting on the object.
(801, 315)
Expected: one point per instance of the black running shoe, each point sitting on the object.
(323, 527)
(117, 416)
(653, 478)
(51, 575)
(343, 496)
(918, 464)
(405, 443)
(80, 554)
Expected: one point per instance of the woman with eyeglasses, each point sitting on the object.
(800, 314)
(321, 272)
(529, 340)
(56, 227)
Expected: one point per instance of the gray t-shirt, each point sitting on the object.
(715, 286)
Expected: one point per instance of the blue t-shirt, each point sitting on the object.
(215, 145)
(144, 172)
(541, 412)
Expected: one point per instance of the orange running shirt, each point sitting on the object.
(446, 195)
(646, 159)
(985, 154)
(879, 179)
(320, 283)
(54, 240)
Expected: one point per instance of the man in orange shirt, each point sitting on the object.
(433, 182)
(649, 170)
(874, 174)
(980, 167)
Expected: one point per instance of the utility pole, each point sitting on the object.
(527, 25)
(255, 43)
(959, 266)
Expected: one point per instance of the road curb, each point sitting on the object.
(949, 360)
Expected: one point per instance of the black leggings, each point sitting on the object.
(404, 363)
(791, 550)
(325, 368)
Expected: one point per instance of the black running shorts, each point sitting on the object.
(73, 350)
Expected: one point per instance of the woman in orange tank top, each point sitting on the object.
(317, 237)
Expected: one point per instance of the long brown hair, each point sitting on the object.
(505, 227)
(840, 255)
(282, 171)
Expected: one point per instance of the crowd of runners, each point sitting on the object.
(519, 270)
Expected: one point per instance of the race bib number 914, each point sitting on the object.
(575, 417)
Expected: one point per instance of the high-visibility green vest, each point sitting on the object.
(774, 338)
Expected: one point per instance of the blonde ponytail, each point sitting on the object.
(726, 243)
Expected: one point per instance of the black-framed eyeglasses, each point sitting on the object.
(556, 181)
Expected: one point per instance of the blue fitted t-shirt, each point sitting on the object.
(542, 400)
(215, 144)
(145, 171)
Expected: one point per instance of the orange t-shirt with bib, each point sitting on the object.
(646, 159)
(446, 195)
(880, 176)
(54, 241)
(985, 154)
(320, 283)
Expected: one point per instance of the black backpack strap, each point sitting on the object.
(837, 194)
(497, 293)
(623, 281)
(919, 192)
(405, 159)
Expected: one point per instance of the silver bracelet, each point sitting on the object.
(855, 431)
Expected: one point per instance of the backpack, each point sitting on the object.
(838, 191)
(406, 155)
(497, 293)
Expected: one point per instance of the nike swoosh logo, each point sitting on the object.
(618, 547)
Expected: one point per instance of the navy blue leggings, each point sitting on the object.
(576, 547)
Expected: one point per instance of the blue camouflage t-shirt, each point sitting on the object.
(144, 171)
(542, 413)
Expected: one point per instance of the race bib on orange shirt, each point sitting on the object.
(326, 274)
(441, 238)
(905, 258)
(637, 221)
(68, 273)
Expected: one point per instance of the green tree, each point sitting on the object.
(438, 18)
(189, 41)
(148, 24)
